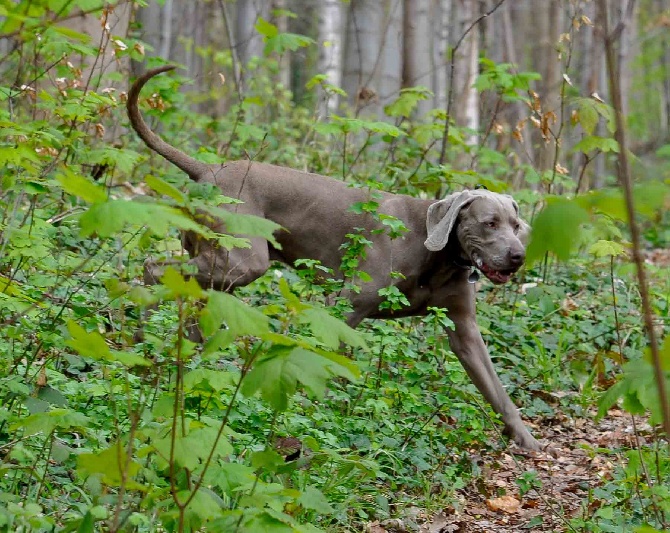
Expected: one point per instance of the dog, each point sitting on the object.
(446, 243)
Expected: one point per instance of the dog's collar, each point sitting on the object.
(473, 277)
(462, 263)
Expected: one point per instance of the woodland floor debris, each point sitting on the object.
(493, 503)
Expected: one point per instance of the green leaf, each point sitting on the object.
(593, 142)
(87, 524)
(267, 459)
(240, 318)
(87, 344)
(112, 463)
(405, 104)
(93, 345)
(49, 421)
(108, 218)
(247, 225)
(121, 159)
(663, 151)
(312, 498)
(265, 28)
(282, 42)
(277, 374)
(664, 353)
(179, 286)
(330, 330)
(229, 476)
(555, 229)
(603, 248)
(191, 450)
(163, 187)
(82, 188)
(588, 115)
(264, 522)
(205, 379)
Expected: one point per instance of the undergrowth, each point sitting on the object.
(284, 419)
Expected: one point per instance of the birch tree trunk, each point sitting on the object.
(627, 52)
(390, 71)
(441, 16)
(372, 73)
(248, 41)
(417, 48)
(466, 99)
(331, 23)
(362, 49)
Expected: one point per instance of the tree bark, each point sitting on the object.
(417, 48)
(281, 21)
(390, 68)
(466, 108)
(550, 26)
(331, 22)
(248, 41)
(442, 15)
(362, 49)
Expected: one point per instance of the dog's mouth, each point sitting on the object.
(496, 276)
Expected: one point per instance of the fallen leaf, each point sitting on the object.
(506, 504)
(374, 527)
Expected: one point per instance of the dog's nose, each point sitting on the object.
(517, 257)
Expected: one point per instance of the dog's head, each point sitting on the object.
(487, 227)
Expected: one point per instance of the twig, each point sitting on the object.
(623, 173)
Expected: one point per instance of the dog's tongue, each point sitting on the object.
(494, 275)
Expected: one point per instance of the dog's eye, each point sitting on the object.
(491, 224)
(517, 227)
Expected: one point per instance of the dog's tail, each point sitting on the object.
(194, 168)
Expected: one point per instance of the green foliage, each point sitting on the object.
(555, 229)
(504, 80)
(280, 42)
(104, 429)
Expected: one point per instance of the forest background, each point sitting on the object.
(268, 426)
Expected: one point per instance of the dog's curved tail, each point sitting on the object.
(194, 168)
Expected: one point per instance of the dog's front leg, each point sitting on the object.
(467, 343)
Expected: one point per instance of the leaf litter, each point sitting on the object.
(561, 482)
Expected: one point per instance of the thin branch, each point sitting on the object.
(625, 181)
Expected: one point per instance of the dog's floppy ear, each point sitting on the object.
(442, 215)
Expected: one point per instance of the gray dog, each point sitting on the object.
(436, 256)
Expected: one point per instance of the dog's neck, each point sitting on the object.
(462, 262)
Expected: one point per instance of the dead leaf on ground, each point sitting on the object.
(506, 504)
(374, 527)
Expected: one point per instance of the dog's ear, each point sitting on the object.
(442, 216)
(524, 229)
(524, 232)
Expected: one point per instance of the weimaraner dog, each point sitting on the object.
(437, 256)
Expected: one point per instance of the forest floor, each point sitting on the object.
(585, 457)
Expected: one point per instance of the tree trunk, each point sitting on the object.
(390, 68)
(362, 50)
(281, 21)
(331, 22)
(248, 41)
(442, 15)
(550, 23)
(466, 99)
(417, 48)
